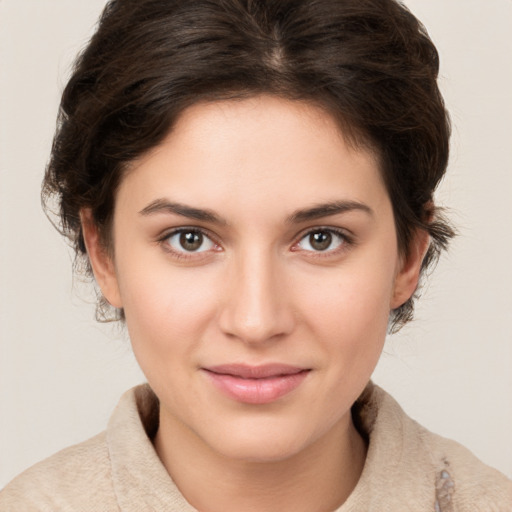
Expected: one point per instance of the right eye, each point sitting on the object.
(189, 241)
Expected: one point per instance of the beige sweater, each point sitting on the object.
(407, 468)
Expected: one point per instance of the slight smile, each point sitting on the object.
(256, 384)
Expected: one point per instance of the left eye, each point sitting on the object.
(190, 240)
(321, 240)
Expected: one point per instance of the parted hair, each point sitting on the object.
(369, 63)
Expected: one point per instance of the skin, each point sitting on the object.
(257, 291)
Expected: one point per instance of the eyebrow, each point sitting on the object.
(165, 206)
(326, 209)
(302, 215)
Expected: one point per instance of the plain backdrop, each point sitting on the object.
(61, 373)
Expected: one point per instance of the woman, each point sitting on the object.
(252, 185)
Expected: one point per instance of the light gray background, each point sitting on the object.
(61, 374)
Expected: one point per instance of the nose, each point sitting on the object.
(257, 307)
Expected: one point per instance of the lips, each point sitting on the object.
(256, 384)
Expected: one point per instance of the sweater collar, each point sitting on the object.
(140, 480)
(396, 473)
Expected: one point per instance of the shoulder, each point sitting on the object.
(76, 478)
(463, 483)
(410, 468)
(463, 479)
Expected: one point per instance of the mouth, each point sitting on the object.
(256, 384)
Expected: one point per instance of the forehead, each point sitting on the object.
(263, 149)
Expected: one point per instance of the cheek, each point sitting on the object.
(350, 303)
(166, 310)
(361, 325)
(349, 313)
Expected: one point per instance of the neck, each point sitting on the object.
(318, 478)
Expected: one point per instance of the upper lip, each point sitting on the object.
(246, 371)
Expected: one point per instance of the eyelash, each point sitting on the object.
(346, 242)
(185, 255)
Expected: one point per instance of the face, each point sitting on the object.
(255, 257)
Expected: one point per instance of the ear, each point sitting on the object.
(406, 280)
(101, 261)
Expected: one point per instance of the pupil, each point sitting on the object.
(321, 240)
(191, 241)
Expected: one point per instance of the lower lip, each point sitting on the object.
(256, 391)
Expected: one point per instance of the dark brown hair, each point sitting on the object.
(369, 63)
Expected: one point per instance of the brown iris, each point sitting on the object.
(191, 240)
(320, 240)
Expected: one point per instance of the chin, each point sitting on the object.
(261, 451)
(260, 441)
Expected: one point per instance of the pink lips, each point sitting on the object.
(256, 384)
